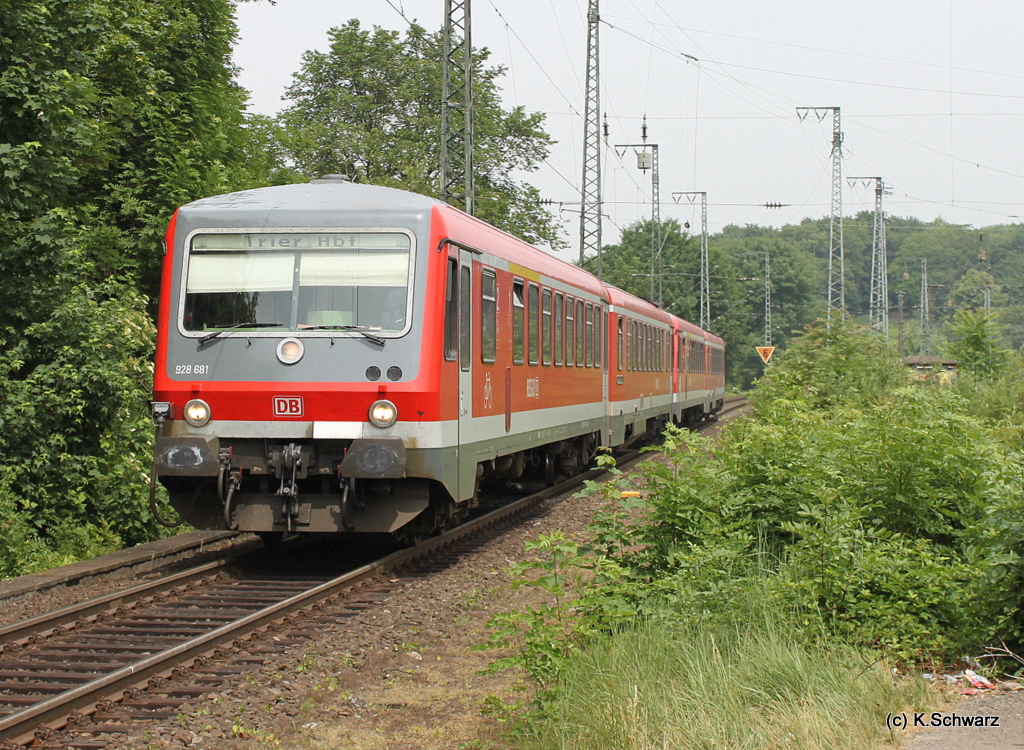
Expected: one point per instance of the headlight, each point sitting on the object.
(197, 412)
(383, 413)
(290, 351)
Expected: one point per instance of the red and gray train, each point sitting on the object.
(337, 357)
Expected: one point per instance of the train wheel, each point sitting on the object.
(549, 470)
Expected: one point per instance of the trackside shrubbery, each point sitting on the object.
(75, 437)
(870, 519)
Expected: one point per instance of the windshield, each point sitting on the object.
(297, 281)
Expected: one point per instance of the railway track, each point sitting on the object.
(60, 668)
(66, 668)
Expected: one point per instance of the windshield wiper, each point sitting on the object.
(225, 329)
(365, 332)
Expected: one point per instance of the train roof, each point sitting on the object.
(337, 200)
(482, 236)
(622, 298)
(688, 327)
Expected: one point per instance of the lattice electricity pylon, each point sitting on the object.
(879, 316)
(457, 185)
(705, 285)
(590, 185)
(836, 270)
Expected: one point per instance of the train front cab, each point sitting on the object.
(297, 377)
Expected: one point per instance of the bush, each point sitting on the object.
(75, 440)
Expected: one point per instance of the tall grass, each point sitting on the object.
(748, 683)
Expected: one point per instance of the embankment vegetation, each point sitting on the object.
(765, 586)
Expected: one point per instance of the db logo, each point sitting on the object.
(287, 406)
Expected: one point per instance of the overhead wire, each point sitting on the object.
(790, 45)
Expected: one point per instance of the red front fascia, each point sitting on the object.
(417, 400)
(321, 402)
(161, 382)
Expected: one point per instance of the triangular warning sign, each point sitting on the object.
(766, 352)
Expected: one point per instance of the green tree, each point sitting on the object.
(976, 342)
(369, 108)
(111, 115)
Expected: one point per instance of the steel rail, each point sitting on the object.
(20, 726)
(19, 632)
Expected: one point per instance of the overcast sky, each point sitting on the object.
(931, 94)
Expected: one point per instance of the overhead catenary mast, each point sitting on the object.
(836, 271)
(590, 185)
(649, 160)
(457, 185)
(879, 316)
(705, 287)
(767, 299)
(926, 330)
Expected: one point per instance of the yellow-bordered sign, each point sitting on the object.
(766, 352)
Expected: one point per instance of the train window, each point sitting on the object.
(638, 346)
(629, 344)
(570, 334)
(598, 324)
(489, 316)
(545, 333)
(559, 325)
(581, 322)
(465, 318)
(644, 347)
(517, 321)
(651, 349)
(620, 342)
(717, 362)
(590, 335)
(635, 353)
(533, 326)
(298, 281)
(451, 311)
(641, 354)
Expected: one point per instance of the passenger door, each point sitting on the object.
(468, 333)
